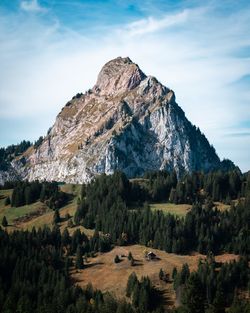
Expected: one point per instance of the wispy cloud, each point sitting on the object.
(196, 51)
(151, 24)
(32, 6)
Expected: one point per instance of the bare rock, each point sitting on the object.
(128, 121)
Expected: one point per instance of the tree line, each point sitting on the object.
(162, 186)
(25, 193)
(106, 206)
(34, 276)
(143, 294)
(213, 287)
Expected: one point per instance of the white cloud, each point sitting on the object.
(151, 24)
(191, 51)
(32, 6)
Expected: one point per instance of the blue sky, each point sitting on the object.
(52, 49)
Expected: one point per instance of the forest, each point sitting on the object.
(25, 193)
(35, 265)
(204, 229)
(34, 277)
(213, 286)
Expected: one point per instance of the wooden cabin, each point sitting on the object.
(151, 256)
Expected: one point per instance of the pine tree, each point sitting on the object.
(132, 281)
(7, 201)
(161, 274)
(136, 295)
(4, 222)
(65, 237)
(56, 217)
(172, 196)
(28, 195)
(193, 297)
(185, 273)
(132, 261)
(174, 272)
(79, 259)
(130, 256)
(143, 300)
(219, 300)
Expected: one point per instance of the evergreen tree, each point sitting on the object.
(143, 300)
(56, 217)
(4, 222)
(174, 273)
(172, 197)
(185, 273)
(219, 300)
(132, 282)
(65, 237)
(79, 259)
(28, 195)
(132, 261)
(161, 274)
(136, 295)
(130, 257)
(7, 201)
(193, 297)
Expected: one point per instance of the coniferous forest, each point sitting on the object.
(35, 265)
(204, 229)
(29, 192)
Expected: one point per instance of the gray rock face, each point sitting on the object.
(127, 121)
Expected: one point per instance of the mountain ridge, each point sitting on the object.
(128, 121)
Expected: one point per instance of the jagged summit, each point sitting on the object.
(118, 75)
(128, 121)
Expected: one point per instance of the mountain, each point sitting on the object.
(127, 121)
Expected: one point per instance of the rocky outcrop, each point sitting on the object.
(128, 121)
(118, 76)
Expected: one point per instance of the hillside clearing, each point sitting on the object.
(47, 220)
(112, 277)
(17, 215)
(72, 189)
(38, 214)
(222, 206)
(176, 209)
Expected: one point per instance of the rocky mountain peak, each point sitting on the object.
(117, 76)
(128, 121)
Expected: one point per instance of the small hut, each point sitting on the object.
(151, 256)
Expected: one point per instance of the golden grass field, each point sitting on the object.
(112, 277)
(221, 206)
(175, 209)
